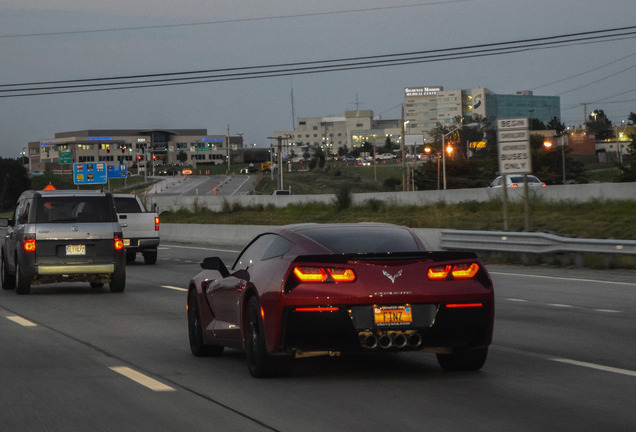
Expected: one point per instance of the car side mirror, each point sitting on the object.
(215, 263)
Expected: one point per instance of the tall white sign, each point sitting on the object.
(513, 143)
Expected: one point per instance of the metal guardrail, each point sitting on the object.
(531, 242)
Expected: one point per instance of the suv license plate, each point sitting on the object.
(75, 249)
(392, 315)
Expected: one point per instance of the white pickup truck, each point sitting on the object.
(140, 228)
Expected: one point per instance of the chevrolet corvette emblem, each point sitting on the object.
(392, 278)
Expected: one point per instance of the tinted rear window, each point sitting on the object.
(64, 209)
(127, 205)
(363, 239)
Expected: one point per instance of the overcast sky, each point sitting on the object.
(57, 40)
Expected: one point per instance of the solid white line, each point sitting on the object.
(596, 366)
(173, 288)
(21, 321)
(198, 248)
(142, 379)
(563, 278)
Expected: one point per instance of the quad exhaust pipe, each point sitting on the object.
(391, 339)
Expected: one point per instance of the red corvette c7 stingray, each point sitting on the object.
(327, 289)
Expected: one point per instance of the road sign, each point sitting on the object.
(89, 173)
(65, 157)
(513, 143)
(117, 171)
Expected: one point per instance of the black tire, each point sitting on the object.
(195, 330)
(8, 280)
(22, 283)
(118, 281)
(150, 257)
(463, 360)
(130, 257)
(259, 363)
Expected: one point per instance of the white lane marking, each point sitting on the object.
(142, 379)
(596, 366)
(199, 248)
(564, 306)
(173, 288)
(563, 278)
(22, 321)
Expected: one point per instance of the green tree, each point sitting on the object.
(182, 156)
(628, 167)
(632, 118)
(599, 125)
(13, 181)
(556, 125)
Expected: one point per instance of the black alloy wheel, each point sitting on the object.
(259, 363)
(195, 330)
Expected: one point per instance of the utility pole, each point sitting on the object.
(228, 149)
(403, 147)
(279, 164)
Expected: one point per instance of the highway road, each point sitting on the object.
(74, 358)
(202, 185)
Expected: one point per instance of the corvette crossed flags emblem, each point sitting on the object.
(392, 278)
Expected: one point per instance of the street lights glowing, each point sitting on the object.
(450, 149)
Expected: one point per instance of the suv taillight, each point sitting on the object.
(156, 223)
(119, 241)
(28, 243)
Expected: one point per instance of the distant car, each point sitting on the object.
(516, 180)
(348, 159)
(329, 289)
(36, 173)
(63, 236)
(249, 169)
(384, 156)
(282, 192)
(169, 172)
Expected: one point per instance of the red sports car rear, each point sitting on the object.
(313, 289)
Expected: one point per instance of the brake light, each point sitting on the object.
(439, 272)
(463, 305)
(342, 275)
(465, 271)
(457, 271)
(29, 244)
(514, 185)
(119, 244)
(317, 309)
(156, 223)
(310, 274)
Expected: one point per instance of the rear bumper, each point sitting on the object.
(47, 270)
(141, 244)
(344, 331)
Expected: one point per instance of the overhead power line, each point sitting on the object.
(310, 67)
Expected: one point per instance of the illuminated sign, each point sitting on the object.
(422, 91)
(213, 139)
(100, 139)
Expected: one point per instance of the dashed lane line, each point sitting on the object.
(22, 321)
(142, 379)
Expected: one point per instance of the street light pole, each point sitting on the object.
(444, 148)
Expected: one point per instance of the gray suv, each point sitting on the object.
(63, 236)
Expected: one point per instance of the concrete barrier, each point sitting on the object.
(568, 193)
(239, 235)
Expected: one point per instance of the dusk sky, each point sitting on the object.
(43, 41)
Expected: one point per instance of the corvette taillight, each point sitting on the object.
(457, 271)
(312, 274)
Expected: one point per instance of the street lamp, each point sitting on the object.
(444, 147)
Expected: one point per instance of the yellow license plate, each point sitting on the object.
(392, 315)
(75, 249)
